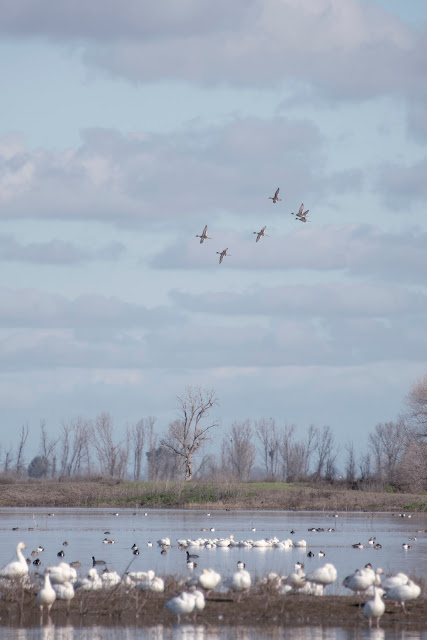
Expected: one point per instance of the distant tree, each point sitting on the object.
(350, 467)
(20, 463)
(190, 431)
(138, 435)
(162, 464)
(268, 436)
(387, 444)
(38, 467)
(48, 447)
(74, 446)
(112, 457)
(238, 452)
(416, 401)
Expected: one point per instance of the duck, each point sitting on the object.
(108, 541)
(405, 546)
(275, 198)
(260, 234)
(321, 554)
(403, 593)
(357, 545)
(17, 568)
(37, 562)
(203, 237)
(310, 554)
(222, 254)
(61, 553)
(374, 608)
(46, 596)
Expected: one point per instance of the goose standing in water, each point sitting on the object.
(46, 596)
(275, 198)
(95, 562)
(374, 608)
(17, 568)
(222, 254)
(208, 580)
(260, 234)
(203, 237)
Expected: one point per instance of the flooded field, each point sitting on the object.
(261, 615)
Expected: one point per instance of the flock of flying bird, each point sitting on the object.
(61, 581)
(301, 215)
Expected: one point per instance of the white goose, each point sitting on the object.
(46, 596)
(181, 605)
(64, 591)
(17, 568)
(403, 593)
(323, 576)
(360, 580)
(92, 583)
(374, 608)
(208, 580)
(62, 573)
(240, 582)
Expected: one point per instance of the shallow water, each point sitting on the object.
(200, 632)
(84, 530)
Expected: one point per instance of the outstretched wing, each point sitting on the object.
(301, 209)
(205, 230)
(276, 195)
(263, 229)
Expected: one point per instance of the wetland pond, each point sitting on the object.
(84, 531)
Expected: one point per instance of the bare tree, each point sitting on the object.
(7, 460)
(20, 463)
(268, 436)
(412, 470)
(350, 467)
(163, 464)
(48, 447)
(297, 455)
(189, 432)
(416, 401)
(324, 451)
(138, 434)
(74, 443)
(238, 452)
(112, 457)
(388, 444)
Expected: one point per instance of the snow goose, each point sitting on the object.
(181, 605)
(110, 578)
(208, 580)
(403, 593)
(360, 580)
(91, 583)
(323, 576)
(65, 592)
(374, 608)
(240, 582)
(46, 596)
(18, 568)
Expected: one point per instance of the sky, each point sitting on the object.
(127, 127)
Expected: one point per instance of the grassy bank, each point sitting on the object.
(258, 495)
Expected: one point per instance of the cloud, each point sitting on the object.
(131, 178)
(403, 186)
(55, 252)
(30, 308)
(345, 48)
(356, 250)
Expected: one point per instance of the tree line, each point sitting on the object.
(395, 455)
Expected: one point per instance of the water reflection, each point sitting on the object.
(201, 632)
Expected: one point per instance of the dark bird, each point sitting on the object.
(275, 198)
(222, 254)
(95, 562)
(260, 234)
(61, 553)
(37, 562)
(191, 555)
(203, 237)
(136, 552)
(310, 554)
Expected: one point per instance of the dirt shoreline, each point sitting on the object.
(120, 608)
(212, 496)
